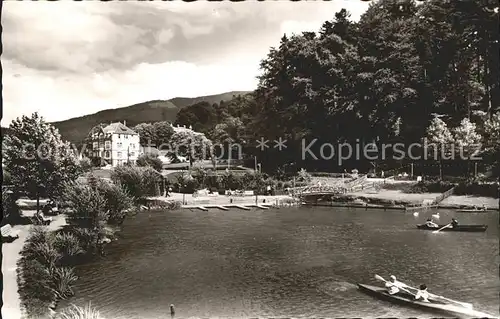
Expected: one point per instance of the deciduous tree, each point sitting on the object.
(38, 159)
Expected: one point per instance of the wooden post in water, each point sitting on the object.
(172, 311)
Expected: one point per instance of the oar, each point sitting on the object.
(382, 279)
(463, 304)
(446, 226)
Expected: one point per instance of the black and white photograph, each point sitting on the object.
(250, 159)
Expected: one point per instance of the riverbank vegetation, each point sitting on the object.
(94, 210)
(403, 67)
(438, 186)
(38, 160)
(10, 210)
(76, 312)
(199, 178)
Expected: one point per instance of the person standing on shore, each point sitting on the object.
(172, 311)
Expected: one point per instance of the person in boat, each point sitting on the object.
(394, 285)
(422, 293)
(454, 222)
(484, 207)
(431, 224)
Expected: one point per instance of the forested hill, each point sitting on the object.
(75, 129)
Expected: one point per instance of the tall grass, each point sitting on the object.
(76, 312)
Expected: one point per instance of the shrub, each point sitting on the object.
(186, 183)
(68, 245)
(150, 160)
(85, 164)
(87, 238)
(139, 182)
(62, 281)
(87, 204)
(304, 176)
(10, 209)
(6, 178)
(41, 277)
(118, 201)
(430, 187)
(33, 280)
(487, 190)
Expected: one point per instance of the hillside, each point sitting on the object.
(75, 129)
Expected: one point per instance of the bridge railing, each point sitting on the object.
(443, 196)
(322, 189)
(357, 181)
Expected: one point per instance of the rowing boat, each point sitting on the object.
(472, 211)
(433, 306)
(466, 228)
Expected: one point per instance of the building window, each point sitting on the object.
(132, 154)
(119, 144)
(119, 154)
(107, 145)
(126, 136)
(106, 154)
(131, 146)
(95, 145)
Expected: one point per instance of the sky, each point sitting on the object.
(66, 59)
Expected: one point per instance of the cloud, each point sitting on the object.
(67, 59)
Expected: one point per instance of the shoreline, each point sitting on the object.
(384, 199)
(11, 307)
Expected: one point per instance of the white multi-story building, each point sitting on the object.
(115, 144)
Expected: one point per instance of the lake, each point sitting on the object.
(288, 262)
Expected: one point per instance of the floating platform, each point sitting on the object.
(242, 207)
(353, 205)
(228, 206)
(423, 207)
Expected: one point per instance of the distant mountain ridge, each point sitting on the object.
(76, 129)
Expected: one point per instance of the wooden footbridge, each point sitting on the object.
(333, 189)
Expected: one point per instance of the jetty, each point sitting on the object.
(421, 207)
(205, 207)
(242, 207)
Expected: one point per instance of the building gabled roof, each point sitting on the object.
(118, 128)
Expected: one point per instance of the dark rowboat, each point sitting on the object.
(466, 228)
(433, 306)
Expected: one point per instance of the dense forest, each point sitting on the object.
(382, 79)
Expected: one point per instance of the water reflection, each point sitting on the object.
(293, 262)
